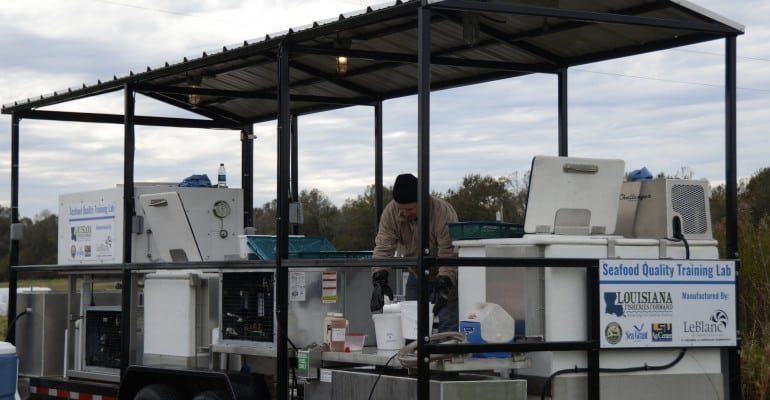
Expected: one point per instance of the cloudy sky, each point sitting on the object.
(664, 111)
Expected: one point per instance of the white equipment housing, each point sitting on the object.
(552, 301)
(172, 224)
(648, 209)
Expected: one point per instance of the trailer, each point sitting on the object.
(613, 294)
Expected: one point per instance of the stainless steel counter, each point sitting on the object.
(367, 356)
(373, 356)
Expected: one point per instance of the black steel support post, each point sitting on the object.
(14, 245)
(247, 174)
(563, 121)
(378, 206)
(128, 169)
(282, 223)
(423, 196)
(731, 201)
(731, 168)
(294, 168)
(128, 216)
(592, 279)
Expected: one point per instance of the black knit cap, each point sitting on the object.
(405, 189)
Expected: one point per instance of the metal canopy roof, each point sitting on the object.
(471, 42)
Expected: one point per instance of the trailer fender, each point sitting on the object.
(211, 395)
(156, 383)
(159, 391)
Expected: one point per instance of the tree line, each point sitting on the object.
(353, 225)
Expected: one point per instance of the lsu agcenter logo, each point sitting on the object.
(662, 332)
(613, 332)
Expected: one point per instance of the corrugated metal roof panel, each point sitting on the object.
(471, 41)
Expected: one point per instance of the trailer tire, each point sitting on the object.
(159, 391)
(211, 395)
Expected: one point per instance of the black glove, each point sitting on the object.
(440, 294)
(381, 288)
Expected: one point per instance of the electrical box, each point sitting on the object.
(180, 310)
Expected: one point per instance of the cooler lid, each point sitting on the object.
(573, 196)
(7, 348)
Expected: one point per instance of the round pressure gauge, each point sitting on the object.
(221, 209)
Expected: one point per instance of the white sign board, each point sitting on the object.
(89, 227)
(667, 303)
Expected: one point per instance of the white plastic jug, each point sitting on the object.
(497, 326)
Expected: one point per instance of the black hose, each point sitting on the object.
(293, 368)
(676, 225)
(645, 367)
(686, 248)
(13, 323)
(374, 385)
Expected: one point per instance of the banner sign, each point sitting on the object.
(667, 303)
(91, 231)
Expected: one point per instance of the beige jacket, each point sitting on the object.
(396, 232)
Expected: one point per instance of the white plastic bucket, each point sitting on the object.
(387, 330)
(409, 319)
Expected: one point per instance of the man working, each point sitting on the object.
(398, 231)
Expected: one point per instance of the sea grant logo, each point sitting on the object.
(639, 334)
(662, 332)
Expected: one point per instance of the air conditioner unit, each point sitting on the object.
(653, 209)
(248, 308)
(102, 342)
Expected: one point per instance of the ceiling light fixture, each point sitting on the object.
(471, 29)
(194, 82)
(341, 60)
(342, 65)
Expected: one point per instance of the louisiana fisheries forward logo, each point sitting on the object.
(638, 303)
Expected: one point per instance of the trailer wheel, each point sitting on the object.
(211, 395)
(159, 391)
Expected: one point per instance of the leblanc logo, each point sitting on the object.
(716, 324)
(719, 317)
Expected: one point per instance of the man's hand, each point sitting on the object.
(381, 288)
(440, 295)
